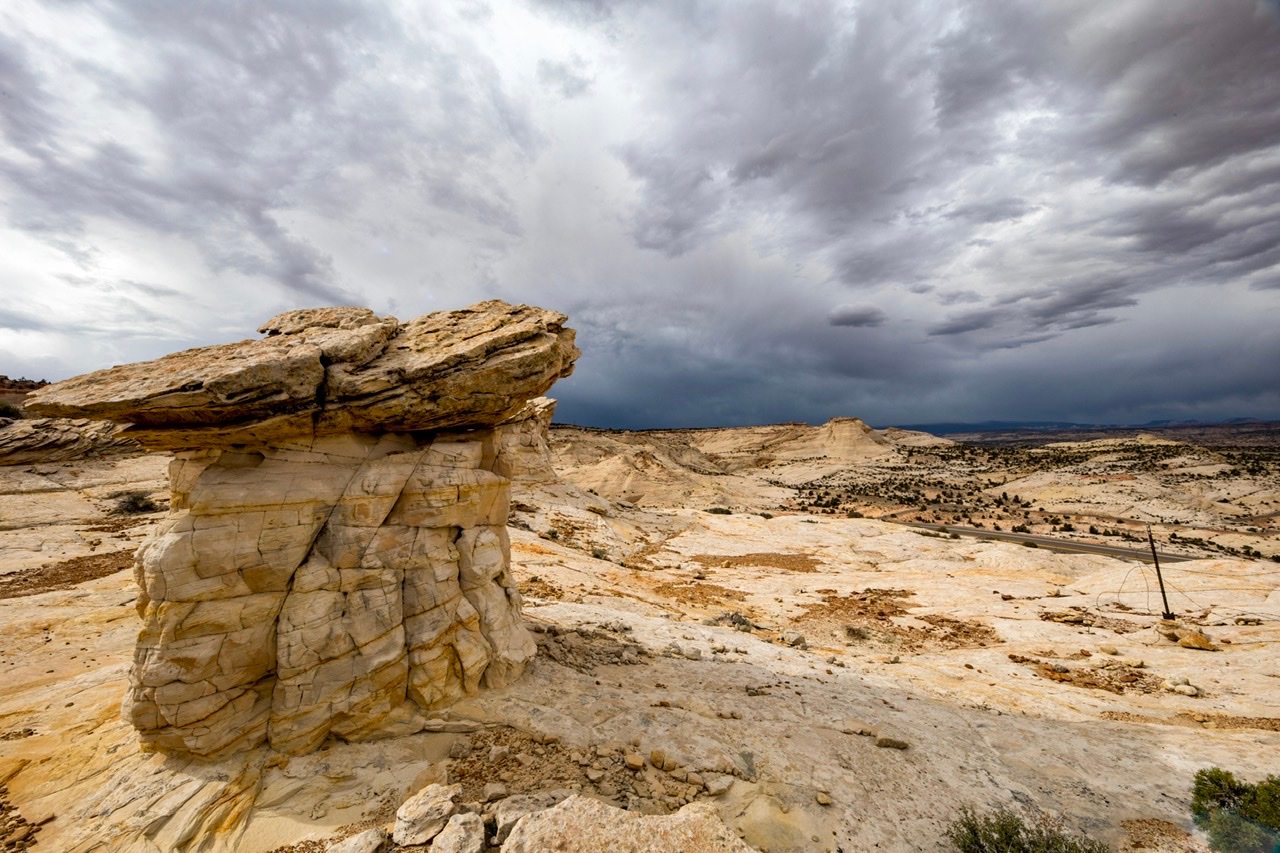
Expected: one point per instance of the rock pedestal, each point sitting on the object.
(335, 560)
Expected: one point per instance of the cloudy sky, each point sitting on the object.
(752, 211)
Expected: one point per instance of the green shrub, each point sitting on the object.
(599, 553)
(9, 410)
(1002, 831)
(853, 513)
(720, 510)
(1238, 816)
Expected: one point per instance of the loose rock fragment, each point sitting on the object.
(581, 824)
(370, 841)
(421, 817)
(509, 811)
(1192, 639)
(464, 833)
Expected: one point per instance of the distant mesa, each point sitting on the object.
(335, 561)
(20, 386)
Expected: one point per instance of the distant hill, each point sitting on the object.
(20, 386)
(14, 391)
(954, 427)
(947, 428)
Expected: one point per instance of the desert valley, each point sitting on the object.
(780, 638)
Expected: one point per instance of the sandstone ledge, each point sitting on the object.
(328, 371)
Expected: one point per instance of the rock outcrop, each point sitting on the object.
(336, 560)
(584, 824)
(59, 440)
(524, 444)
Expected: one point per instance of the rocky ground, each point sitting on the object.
(819, 682)
(1211, 499)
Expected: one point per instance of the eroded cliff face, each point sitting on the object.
(318, 575)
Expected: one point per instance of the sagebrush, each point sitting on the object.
(1004, 831)
(132, 503)
(1239, 817)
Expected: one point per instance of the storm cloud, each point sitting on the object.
(752, 211)
(856, 315)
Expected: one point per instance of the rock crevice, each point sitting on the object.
(335, 561)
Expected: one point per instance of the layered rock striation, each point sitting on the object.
(335, 561)
(58, 440)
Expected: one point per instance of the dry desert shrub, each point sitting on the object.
(1003, 831)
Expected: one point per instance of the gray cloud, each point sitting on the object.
(258, 111)
(856, 315)
(1082, 192)
(969, 321)
(995, 210)
(568, 78)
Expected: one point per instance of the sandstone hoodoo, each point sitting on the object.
(335, 560)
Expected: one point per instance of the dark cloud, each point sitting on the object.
(1079, 304)
(1185, 89)
(969, 321)
(1069, 210)
(995, 210)
(856, 315)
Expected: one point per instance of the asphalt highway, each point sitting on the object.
(1053, 544)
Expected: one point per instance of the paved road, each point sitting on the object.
(1053, 544)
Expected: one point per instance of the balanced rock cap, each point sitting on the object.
(331, 370)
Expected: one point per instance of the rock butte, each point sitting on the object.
(335, 560)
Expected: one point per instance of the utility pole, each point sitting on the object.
(1168, 614)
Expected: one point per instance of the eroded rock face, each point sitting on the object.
(57, 440)
(336, 557)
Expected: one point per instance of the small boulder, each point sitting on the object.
(580, 824)
(507, 812)
(370, 841)
(421, 817)
(1192, 639)
(464, 833)
(717, 783)
(794, 639)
